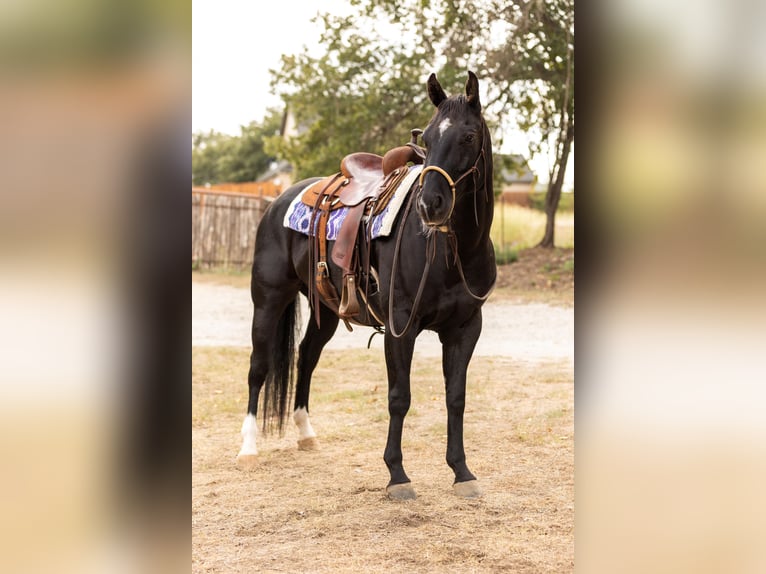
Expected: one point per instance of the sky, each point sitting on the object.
(236, 42)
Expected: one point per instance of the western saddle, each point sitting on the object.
(365, 184)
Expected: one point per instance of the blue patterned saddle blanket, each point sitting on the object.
(298, 216)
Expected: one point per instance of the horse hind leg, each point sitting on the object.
(247, 457)
(270, 359)
(308, 356)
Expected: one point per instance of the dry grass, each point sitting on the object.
(326, 511)
(522, 227)
(231, 277)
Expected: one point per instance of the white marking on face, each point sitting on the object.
(249, 435)
(444, 126)
(301, 418)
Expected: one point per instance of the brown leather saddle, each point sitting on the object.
(365, 184)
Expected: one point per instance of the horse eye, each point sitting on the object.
(469, 138)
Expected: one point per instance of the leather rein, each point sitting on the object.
(445, 227)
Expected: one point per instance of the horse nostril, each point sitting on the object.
(429, 207)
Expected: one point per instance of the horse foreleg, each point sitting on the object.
(457, 347)
(308, 356)
(398, 363)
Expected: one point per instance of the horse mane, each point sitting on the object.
(454, 103)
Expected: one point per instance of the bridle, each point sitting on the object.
(442, 226)
(445, 227)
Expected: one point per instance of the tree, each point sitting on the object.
(537, 59)
(358, 96)
(207, 147)
(361, 93)
(526, 48)
(218, 158)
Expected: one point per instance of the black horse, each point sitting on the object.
(438, 281)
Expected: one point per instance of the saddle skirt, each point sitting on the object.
(299, 213)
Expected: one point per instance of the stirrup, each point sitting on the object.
(349, 304)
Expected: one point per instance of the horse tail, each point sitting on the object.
(278, 387)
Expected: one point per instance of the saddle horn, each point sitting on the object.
(399, 156)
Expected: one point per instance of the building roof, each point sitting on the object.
(514, 169)
(276, 169)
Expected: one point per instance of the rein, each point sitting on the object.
(394, 265)
(444, 227)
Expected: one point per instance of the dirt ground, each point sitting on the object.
(529, 315)
(326, 511)
(539, 275)
(545, 275)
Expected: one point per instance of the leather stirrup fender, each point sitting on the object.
(343, 250)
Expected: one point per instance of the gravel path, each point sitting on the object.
(221, 315)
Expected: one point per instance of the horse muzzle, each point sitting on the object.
(435, 210)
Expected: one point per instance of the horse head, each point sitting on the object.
(457, 143)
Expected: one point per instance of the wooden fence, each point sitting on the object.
(223, 227)
(261, 188)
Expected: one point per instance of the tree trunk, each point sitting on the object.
(553, 194)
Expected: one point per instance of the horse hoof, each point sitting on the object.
(401, 491)
(247, 461)
(467, 489)
(310, 443)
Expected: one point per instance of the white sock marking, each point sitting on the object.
(444, 126)
(249, 435)
(301, 418)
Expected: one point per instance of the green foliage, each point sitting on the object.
(207, 149)
(526, 48)
(505, 254)
(365, 92)
(505, 162)
(362, 94)
(218, 158)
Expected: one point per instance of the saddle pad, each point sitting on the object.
(298, 216)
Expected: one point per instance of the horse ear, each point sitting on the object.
(435, 91)
(472, 90)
